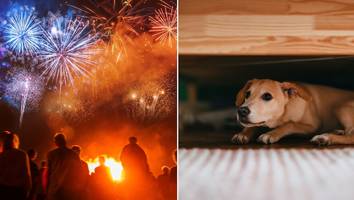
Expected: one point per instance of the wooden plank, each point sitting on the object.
(267, 7)
(266, 27)
(334, 22)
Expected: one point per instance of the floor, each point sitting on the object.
(293, 169)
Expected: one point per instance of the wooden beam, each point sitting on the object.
(266, 27)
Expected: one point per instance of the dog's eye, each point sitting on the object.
(267, 97)
(248, 94)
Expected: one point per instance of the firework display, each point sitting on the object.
(75, 62)
(66, 51)
(148, 104)
(164, 25)
(22, 32)
(24, 91)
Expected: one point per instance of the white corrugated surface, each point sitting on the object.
(266, 174)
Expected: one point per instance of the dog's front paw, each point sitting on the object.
(267, 138)
(322, 140)
(240, 138)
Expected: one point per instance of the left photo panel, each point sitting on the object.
(88, 99)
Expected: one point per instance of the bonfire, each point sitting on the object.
(115, 167)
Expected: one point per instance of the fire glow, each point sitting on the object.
(115, 167)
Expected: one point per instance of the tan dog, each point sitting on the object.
(293, 108)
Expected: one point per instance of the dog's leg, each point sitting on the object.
(333, 138)
(345, 115)
(244, 136)
(284, 130)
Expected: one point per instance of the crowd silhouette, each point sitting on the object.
(65, 176)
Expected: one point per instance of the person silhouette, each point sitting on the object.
(15, 174)
(63, 165)
(103, 187)
(102, 171)
(134, 159)
(173, 173)
(83, 174)
(77, 150)
(35, 176)
(43, 171)
(163, 181)
(138, 181)
(173, 177)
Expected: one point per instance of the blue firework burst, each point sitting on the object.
(67, 51)
(22, 32)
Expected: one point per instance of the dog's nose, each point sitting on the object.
(243, 111)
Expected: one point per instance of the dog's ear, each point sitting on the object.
(240, 98)
(293, 89)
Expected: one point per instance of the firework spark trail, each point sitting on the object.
(131, 15)
(24, 100)
(67, 51)
(24, 91)
(23, 33)
(168, 5)
(164, 25)
(116, 47)
(145, 107)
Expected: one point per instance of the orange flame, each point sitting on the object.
(115, 167)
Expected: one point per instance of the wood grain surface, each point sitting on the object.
(266, 27)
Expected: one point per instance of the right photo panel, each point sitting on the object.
(266, 100)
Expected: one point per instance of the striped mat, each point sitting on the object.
(266, 174)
